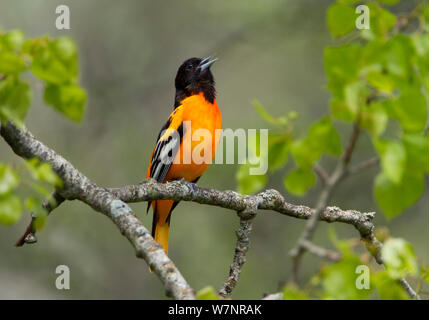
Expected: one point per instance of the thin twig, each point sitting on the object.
(352, 143)
(409, 290)
(321, 252)
(364, 165)
(298, 251)
(323, 175)
(49, 205)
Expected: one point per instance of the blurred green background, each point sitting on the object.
(270, 50)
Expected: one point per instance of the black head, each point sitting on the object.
(194, 76)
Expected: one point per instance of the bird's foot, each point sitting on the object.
(190, 185)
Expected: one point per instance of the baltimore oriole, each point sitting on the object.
(194, 105)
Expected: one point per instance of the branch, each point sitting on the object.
(243, 242)
(352, 143)
(409, 290)
(321, 252)
(78, 186)
(364, 165)
(321, 173)
(267, 200)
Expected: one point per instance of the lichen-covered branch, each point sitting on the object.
(267, 200)
(241, 248)
(112, 203)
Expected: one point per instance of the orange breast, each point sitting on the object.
(195, 155)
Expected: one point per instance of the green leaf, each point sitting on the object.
(10, 209)
(278, 151)
(420, 43)
(410, 109)
(15, 99)
(397, 56)
(426, 275)
(355, 95)
(417, 147)
(54, 61)
(393, 159)
(266, 116)
(395, 198)
(341, 19)
(43, 172)
(46, 174)
(9, 179)
(304, 156)
(247, 183)
(298, 181)
(67, 99)
(374, 118)
(399, 258)
(340, 110)
(425, 11)
(10, 63)
(65, 49)
(342, 64)
(207, 293)
(13, 40)
(339, 280)
(291, 292)
(40, 189)
(381, 82)
(346, 104)
(323, 137)
(388, 288)
(382, 20)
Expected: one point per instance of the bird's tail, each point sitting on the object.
(161, 234)
(161, 221)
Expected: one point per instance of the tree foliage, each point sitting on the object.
(23, 61)
(378, 78)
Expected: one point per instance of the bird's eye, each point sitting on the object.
(189, 67)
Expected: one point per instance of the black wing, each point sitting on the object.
(165, 152)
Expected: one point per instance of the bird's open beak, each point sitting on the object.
(206, 63)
